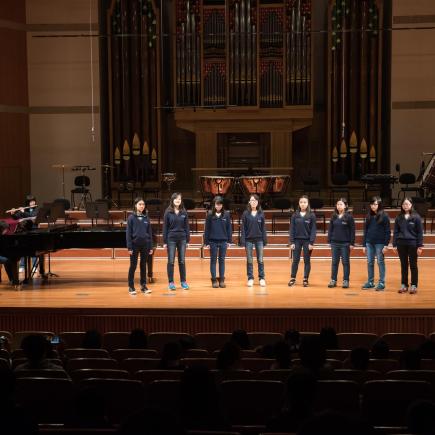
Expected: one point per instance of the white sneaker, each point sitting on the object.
(250, 282)
(263, 282)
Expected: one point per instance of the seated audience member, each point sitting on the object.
(328, 337)
(293, 338)
(36, 347)
(427, 349)
(241, 338)
(200, 404)
(228, 358)
(283, 355)
(92, 340)
(14, 420)
(171, 357)
(301, 393)
(312, 354)
(380, 350)
(138, 339)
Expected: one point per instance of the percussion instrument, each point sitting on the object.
(258, 184)
(428, 179)
(169, 178)
(279, 184)
(216, 185)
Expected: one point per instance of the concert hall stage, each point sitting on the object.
(92, 293)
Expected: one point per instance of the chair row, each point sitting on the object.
(381, 402)
(215, 340)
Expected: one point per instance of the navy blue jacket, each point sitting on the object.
(176, 226)
(218, 228)
(303, 227)
(253, 228)
(139, 232)
(342, 230)
(408, 231)
(376, 232)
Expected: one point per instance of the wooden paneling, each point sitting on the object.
(13, 10)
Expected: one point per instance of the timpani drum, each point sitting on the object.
(258, 184)
(216, 185)
(428, 179)
(279, 184)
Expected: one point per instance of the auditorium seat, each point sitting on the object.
(4, 354)
(212, 432)
(257, 364)
(123, 397)
(232, 375)
(358, 376)
(384, 402)
(5, 364)
(72, 339)
(196, 353)
(337, 395)
(41, 373)
(133, 365)
(148, 376)
(210, 363)
(74, 431)
(212, 340)
(91, 363)
(18, 337)
(262, 338)
(351, 340)
(80, 374)
(384, 365)
(157, 340)
(340, 355)
(17, 361)
(402, 340)
(49, 400)
(115, 340)
(86, 353)
(165, 394)
(121, 354)
(413, 375)
(281, 375)
(249, 353)
(251, 402)
(427, 364)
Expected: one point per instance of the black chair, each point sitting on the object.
(340, 181)
(311, 185)
(81, 182)
(316, 204)
(127, 188)
(283, 204)
(406, 179)
(422, 208)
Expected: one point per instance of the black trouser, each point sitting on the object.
(299, 245)
(143, 251)
(11, 268)
(408, 255)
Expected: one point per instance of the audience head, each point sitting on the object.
(312, 353)
(171, 355)
(138, 339)
(293, 337)
(283, 354)
(410, 359)
(35, 347)
(240, 337)
(328, 337)
(420, 417)
(92, 339)
(380, 349)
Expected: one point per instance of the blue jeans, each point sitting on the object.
(259, 247)
(375, 250)
(215, 249)
(340, 250)
(143, 251)
(180, 246)
(299, 245)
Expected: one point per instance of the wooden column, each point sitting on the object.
(281, 148)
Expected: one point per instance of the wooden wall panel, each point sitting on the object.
(13, 10)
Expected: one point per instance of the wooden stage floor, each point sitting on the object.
(93, 293)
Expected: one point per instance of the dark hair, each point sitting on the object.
(137, 339)
(29, 199)
(346, 208)
(359, 358)
(411, 212)
(380, 213)
(308, 208)
(171, 206)
(255, 196)
(135, 203)
(92, 339)
(241, 338)
(217, 200)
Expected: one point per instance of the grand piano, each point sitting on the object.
(41, 241)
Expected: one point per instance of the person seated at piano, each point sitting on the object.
(139, 241)
(29, 211)
(10, 263)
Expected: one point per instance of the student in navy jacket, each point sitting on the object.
(218, 235)
(302, 234)
(139, 237)
(176, 236)
(376, 237)
(341, 237)
(253, 234)
(408, 242)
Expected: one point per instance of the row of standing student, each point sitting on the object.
(407, 240)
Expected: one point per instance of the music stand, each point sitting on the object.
(108, 195)
(44, 215)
